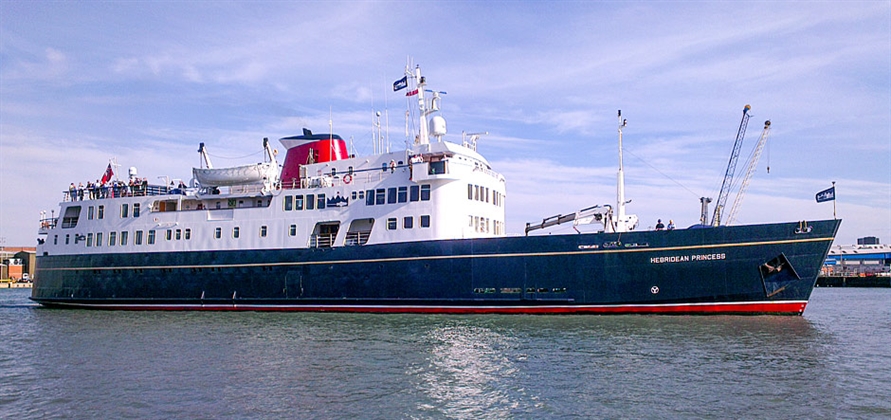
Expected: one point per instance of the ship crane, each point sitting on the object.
(753, 162)
(731, 168)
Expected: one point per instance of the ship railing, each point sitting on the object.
(322, 240)
(117, 191)
(46, 224)
(356, 238)
(361, 176)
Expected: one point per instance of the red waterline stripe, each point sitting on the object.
(784, 307)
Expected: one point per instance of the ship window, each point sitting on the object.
(354, 195)
(310, 201)
(218, 233)
(69, 219)
(289, 203)
(408, 222)
(402, 194)
(425, 220)
(125, 210)
(179, 234)
(101, 214)
(380, 196)
(350, 170)
(487, 195)
(369, 198)
(361, 195)
(391, 223)
(333, 172)
(169, 234)
(320, 200)
(68, 238)
(112, 238)
(135, 209)
(292, 230)
(414, 193)
(137, 238)
(151, 237)
(298, 202)
(476, 192)
(470, 191)
(99, 239)
(188, 234)
(89, 239)
(262, 231)
(391, 195)
(55, 239)
(235, 232)
(218, 205)
(260, 203)
(425, 192)
(124, 235)
(90, 213)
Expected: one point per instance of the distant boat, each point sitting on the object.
(420, 230)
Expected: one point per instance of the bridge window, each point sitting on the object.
(425, 221)
(101, 214)
(408, 222)
(425, 192)
(135, 209)
(125, 210)
(414, 193)
(380, 196)
(402, 194)
(310, 201)
(298, 202)
(391, 223)
(289, 203)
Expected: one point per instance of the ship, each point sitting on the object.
(420, 230)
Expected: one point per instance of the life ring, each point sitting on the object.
(347, 179)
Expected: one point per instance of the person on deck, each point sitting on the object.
(659, 225)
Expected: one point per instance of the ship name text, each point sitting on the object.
(687, 258)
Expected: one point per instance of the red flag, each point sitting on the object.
(411, 93)
(108, 174)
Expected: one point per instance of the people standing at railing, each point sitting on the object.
(72, 192)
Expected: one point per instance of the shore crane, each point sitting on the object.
(731, 168)
(753, 162)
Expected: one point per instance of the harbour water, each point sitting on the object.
(831, 363)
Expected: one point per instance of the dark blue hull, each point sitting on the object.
(738, 269)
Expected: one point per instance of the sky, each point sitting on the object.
(146, 82)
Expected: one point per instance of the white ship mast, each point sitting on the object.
(623, 222)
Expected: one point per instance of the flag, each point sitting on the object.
(108, 174)
(411, 93)
(826, 195)
(400, 84)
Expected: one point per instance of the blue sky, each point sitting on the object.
(145, 82)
